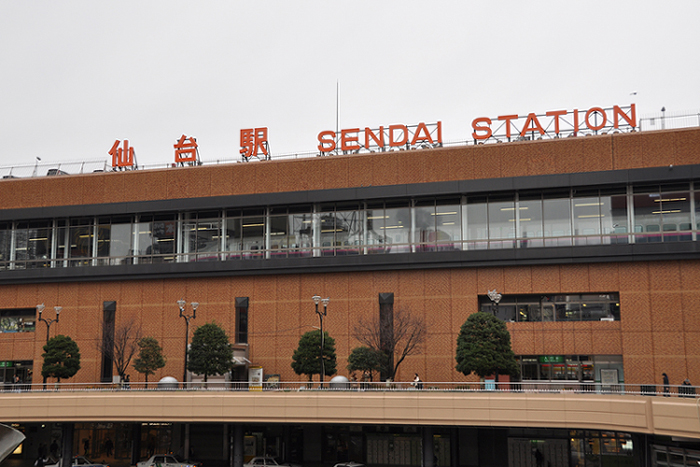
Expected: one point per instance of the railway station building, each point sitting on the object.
(593, 243)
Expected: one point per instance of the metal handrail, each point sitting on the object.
(488, 386)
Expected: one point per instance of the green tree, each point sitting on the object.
(307, 357)
(483, 347)
(210, 353)
(150, 357)
(61, 358)
(366, 359)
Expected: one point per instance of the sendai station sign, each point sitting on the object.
(553, 124)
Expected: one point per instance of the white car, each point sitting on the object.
(266, 461)
(79, 461)
(166, 460)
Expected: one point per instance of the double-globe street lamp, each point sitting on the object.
(495, 300)
(321, 314)
(40, 309)
(181, 304)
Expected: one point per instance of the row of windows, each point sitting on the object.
(582, 368)
(537, 308)
(18, 320)
(639, 214)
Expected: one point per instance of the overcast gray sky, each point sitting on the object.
(77, 75)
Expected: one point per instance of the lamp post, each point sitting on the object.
(495, 298)
(317, 299)
(181, 304)
(48, 322)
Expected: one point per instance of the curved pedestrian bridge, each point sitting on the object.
(672, 416)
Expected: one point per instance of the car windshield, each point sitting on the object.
(81, 461)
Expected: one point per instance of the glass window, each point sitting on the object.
(397, 227)
(326, 219)
(301, 238)
(81, 242)
(234, 239)
(556, 212)
(675, 214)
(201, 236)
(424, 233)
(572, 368)
(62, 242)
(530, 370)
(587, 218)
(5, 244)
(114, 240)
(568, 311)
(376, 233)
(18, 320)
(501, 222)
(477, 223)
(531, 230)
(33, 244)
(613, 216)
(279, 236)
(156, 238)
(253, 234)
(448, 223)
(647, 215)
(348, 229)
(577, 453)
(529, 312)
(242, 320)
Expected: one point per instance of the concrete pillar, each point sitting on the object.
(428, 447)
(226, 440)
(454, 447)
(186, 454)
(386, 329)
(237, 458)
(135, 443)
(67, 430)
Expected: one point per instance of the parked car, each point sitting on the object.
(265, 461)
(77, 460)
(166, 460)
(349, 464)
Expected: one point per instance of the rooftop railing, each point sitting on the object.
(541, 387)
(660, 121)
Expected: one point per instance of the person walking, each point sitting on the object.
(417, 383)
(667, 389)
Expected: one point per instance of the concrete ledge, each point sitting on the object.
(655, 415)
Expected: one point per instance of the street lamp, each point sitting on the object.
(181, 304)
(49, 322)
(317, 299)
(495, 298)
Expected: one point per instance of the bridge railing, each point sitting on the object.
(488, 386)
